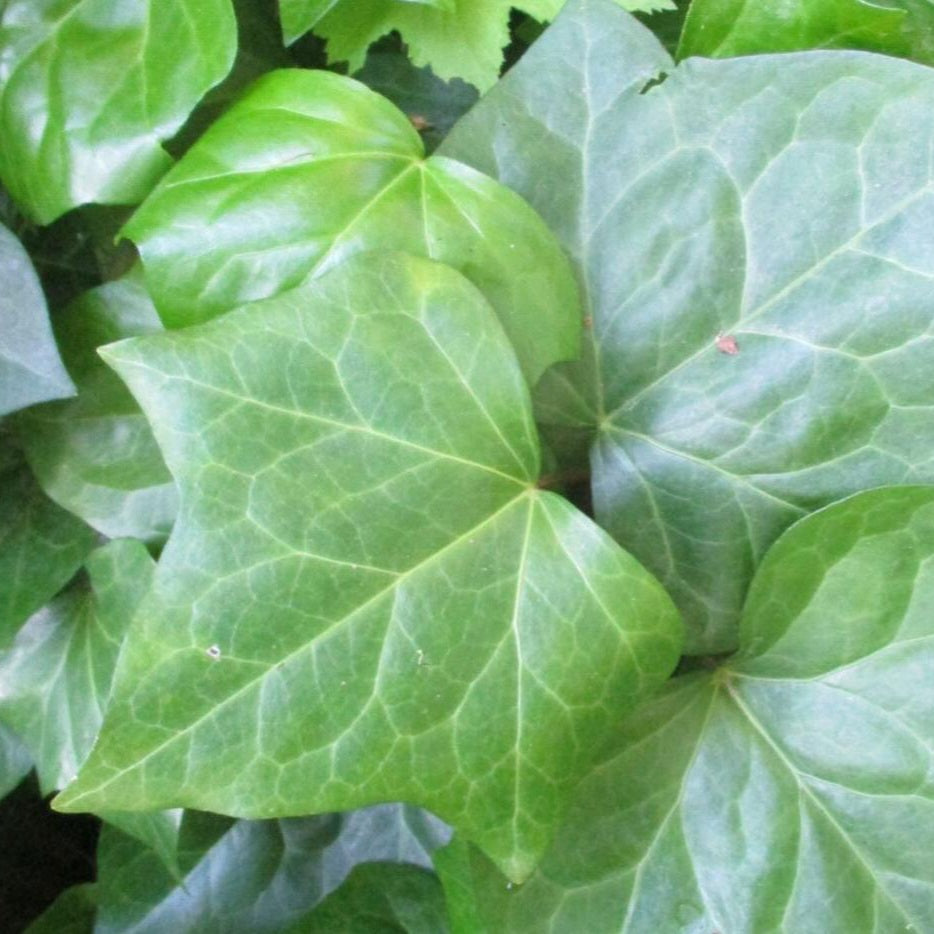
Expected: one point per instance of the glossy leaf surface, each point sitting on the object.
(55, 680)
(309, 168)
(15, 761)
(790, 790)
(719, 28)
(89, 89)
(374, 601)
(759, 273)
(41, 547)
(252, 875)
(30, 368)
(95, 454)
(379, 898)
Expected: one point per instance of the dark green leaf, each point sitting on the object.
(251, 875)
(372, 597)
(790, 790)
(41, 547)
(380, 898)
(30, 368)
(719, 28)
(310, 167)
(755, 241)
(73, 912)
(15, 761)
(55, 680)
(95, 455)
(89, 89)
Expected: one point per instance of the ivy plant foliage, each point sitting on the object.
(15, 761)
(255, 875)
(310, 167)
(95, 454)
(373, 599)
(788, 790)
(30, 368)
(753, 240)
(720, 28)
(89, 89)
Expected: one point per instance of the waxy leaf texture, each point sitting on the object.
(791, 789)
(755, 238)
(365, 596)
(90, 89)
(309, 168)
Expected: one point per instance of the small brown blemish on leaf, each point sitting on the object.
(213, 652)
(420, 123)
(726, 343)
(588, 322)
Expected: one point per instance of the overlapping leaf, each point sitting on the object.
(720, 28)
(89, 89)
(30, 368)
(309, 168)
(95, 454)
(252, 875)
(365, 597)
(755, 240)
(41, 547)
(790, 790)
(15, 761)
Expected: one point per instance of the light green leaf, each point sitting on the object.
(89, 89)
(754, 239)
(30, 368)
(72, 912)
(380, 898)
(251, 875)
(790, 790)
(41, 547)
(55, 680)
(95, 455)
(372, 597)
(15, 761)
(720, 28)
(311, 167)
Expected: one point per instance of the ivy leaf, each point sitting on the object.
(89, 91)
(742, 195)
(380, 897)
(55, 680)
(789, 790)
(72, 912)
(95, 454)
(15, 761)
(252, 875)
(30, 368)
(373, 598)
(41, 547)
(719, 28)
(310, 167)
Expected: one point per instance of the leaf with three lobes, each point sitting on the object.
(95, 454)
(30, 368)
(791, 789)
(309, 168)
(89, 89)
(365, 592)
(772, 206)
(252, 875)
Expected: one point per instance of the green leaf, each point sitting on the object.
(720, 28)
(791, 789)
(373, 599)
(310, 167)
(89, 90)
(15, 761)
(55, 680)
(95, 455)
(30, 368)
(251, 875)
(380, 898)
(41, 547)
(758, 267)
(72, 912)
